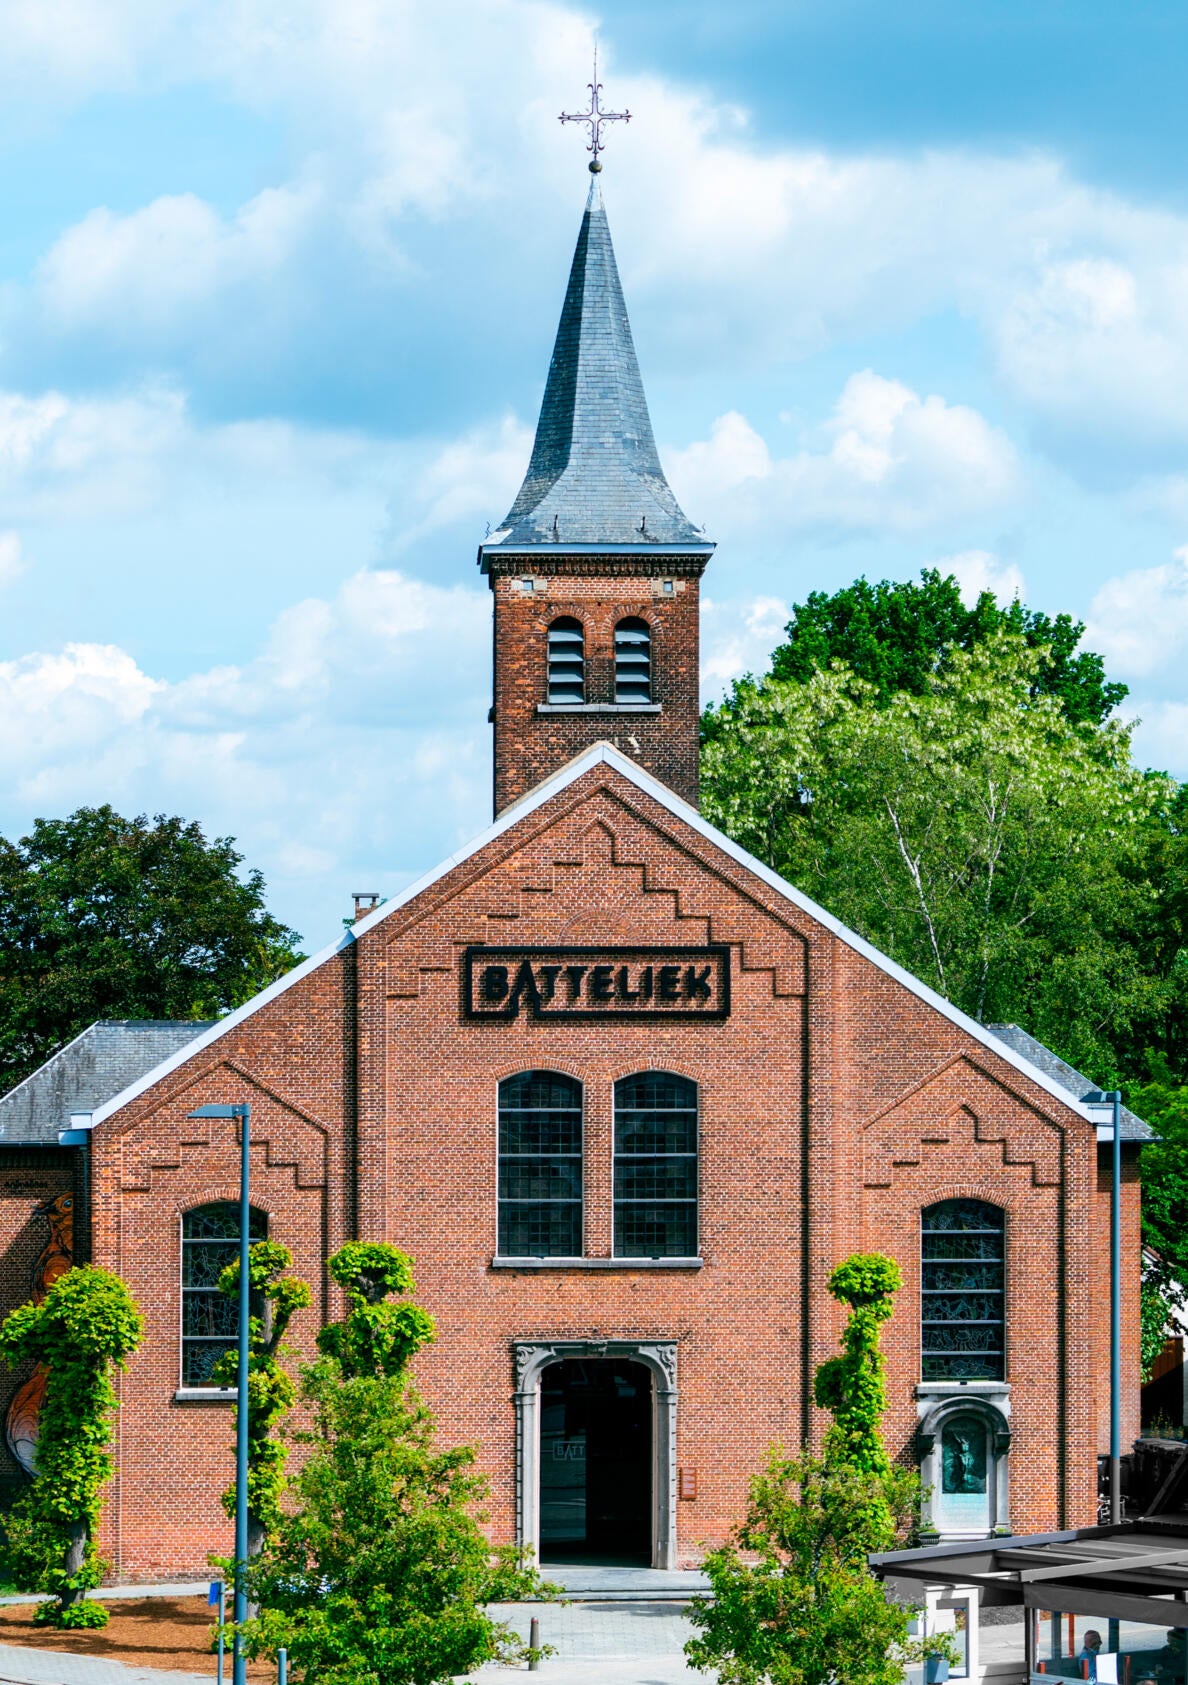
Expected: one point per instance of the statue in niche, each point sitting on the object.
(963, 1456)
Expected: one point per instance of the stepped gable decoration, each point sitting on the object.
(500, 982)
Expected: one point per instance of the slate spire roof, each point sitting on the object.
(594, 477)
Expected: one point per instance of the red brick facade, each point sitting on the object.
(835, 1103)
(597, 591)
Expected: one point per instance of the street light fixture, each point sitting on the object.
(244, 1114)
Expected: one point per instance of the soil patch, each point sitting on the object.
(165, 1632)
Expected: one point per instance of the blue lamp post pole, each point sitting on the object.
(244, 1114)
(1114, 1099)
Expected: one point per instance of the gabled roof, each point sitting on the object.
(606, 754)
(594, 477)
(1070, 1079)
(102, 1061)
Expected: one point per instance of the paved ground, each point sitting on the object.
(620, 1643)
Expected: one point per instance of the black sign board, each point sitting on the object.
(500, 983)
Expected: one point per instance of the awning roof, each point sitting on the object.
(1135, 1572)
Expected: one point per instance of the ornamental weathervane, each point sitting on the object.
(595, 117)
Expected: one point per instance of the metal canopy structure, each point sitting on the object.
(1137, 1571)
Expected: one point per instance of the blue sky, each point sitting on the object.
(278, 286)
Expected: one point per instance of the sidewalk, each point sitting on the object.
(618, 1642)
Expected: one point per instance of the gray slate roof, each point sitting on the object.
(594, 476)
(95, 1066)
(1133, 1128)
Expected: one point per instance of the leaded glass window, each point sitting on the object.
(963, 1284)
(567, 661)
(210, 1320)
(540, 1166)
(655, 1166)
(633, 661)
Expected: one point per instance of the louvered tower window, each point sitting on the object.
(633, 661)
(210, 1320)
(540, 1166)
(655, 1166)
(567, 661)
(963, 1285)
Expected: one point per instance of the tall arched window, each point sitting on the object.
(540, 1166)
(655, 1166)
(963, 1285)
(210, 1320)
(633, 661)
(567, 660)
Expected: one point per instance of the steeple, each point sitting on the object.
(594, 478)
(596, 570)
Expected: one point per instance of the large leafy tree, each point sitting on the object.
(899, 634)
(107, 917)
(974, 832)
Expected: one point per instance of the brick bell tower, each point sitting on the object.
(595, 570)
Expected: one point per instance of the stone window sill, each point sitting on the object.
(599, 707)
(206, 1395)
(498, 1263)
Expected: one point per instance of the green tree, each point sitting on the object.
(794, 1602)
(86, 1325)
(973, 832)
(382, 1574)
(106, 917)
(898, 635)
(271, 1390)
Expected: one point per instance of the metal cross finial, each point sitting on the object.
(595, 117)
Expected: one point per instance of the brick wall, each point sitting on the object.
(835, 1104)
(530, 745)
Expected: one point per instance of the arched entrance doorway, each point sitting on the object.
(596, 1461)
(532, 1360)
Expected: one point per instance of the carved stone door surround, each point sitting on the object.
(532, 1357)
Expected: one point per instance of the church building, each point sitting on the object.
(624, 1094)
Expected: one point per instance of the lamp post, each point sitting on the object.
(244, 1114)
(1114, 1098)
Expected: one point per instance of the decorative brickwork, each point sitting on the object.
(533, 740)
(835, 1104)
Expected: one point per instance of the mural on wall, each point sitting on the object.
(57, 1255)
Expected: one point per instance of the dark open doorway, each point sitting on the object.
(596, 1462)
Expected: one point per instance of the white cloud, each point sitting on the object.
(738, 638)
(351, 747)
(891, 459)
(1161, 737)
(740, 252)
(1139, 620)
(979, 570)
(151, 268)
(12, 560)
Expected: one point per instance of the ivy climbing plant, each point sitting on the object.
(271, 1391)
(379, 1572)
(794, 1602)
(86, 1326)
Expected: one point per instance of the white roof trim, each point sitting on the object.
(602, 753)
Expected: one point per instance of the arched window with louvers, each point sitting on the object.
(963, 1291)
(633, 661)
(567, 661)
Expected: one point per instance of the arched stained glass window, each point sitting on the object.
(210, 1320)
(567, 661)
(963, 1286)
(633, 661)
(655, 1166)
(540, 1166)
